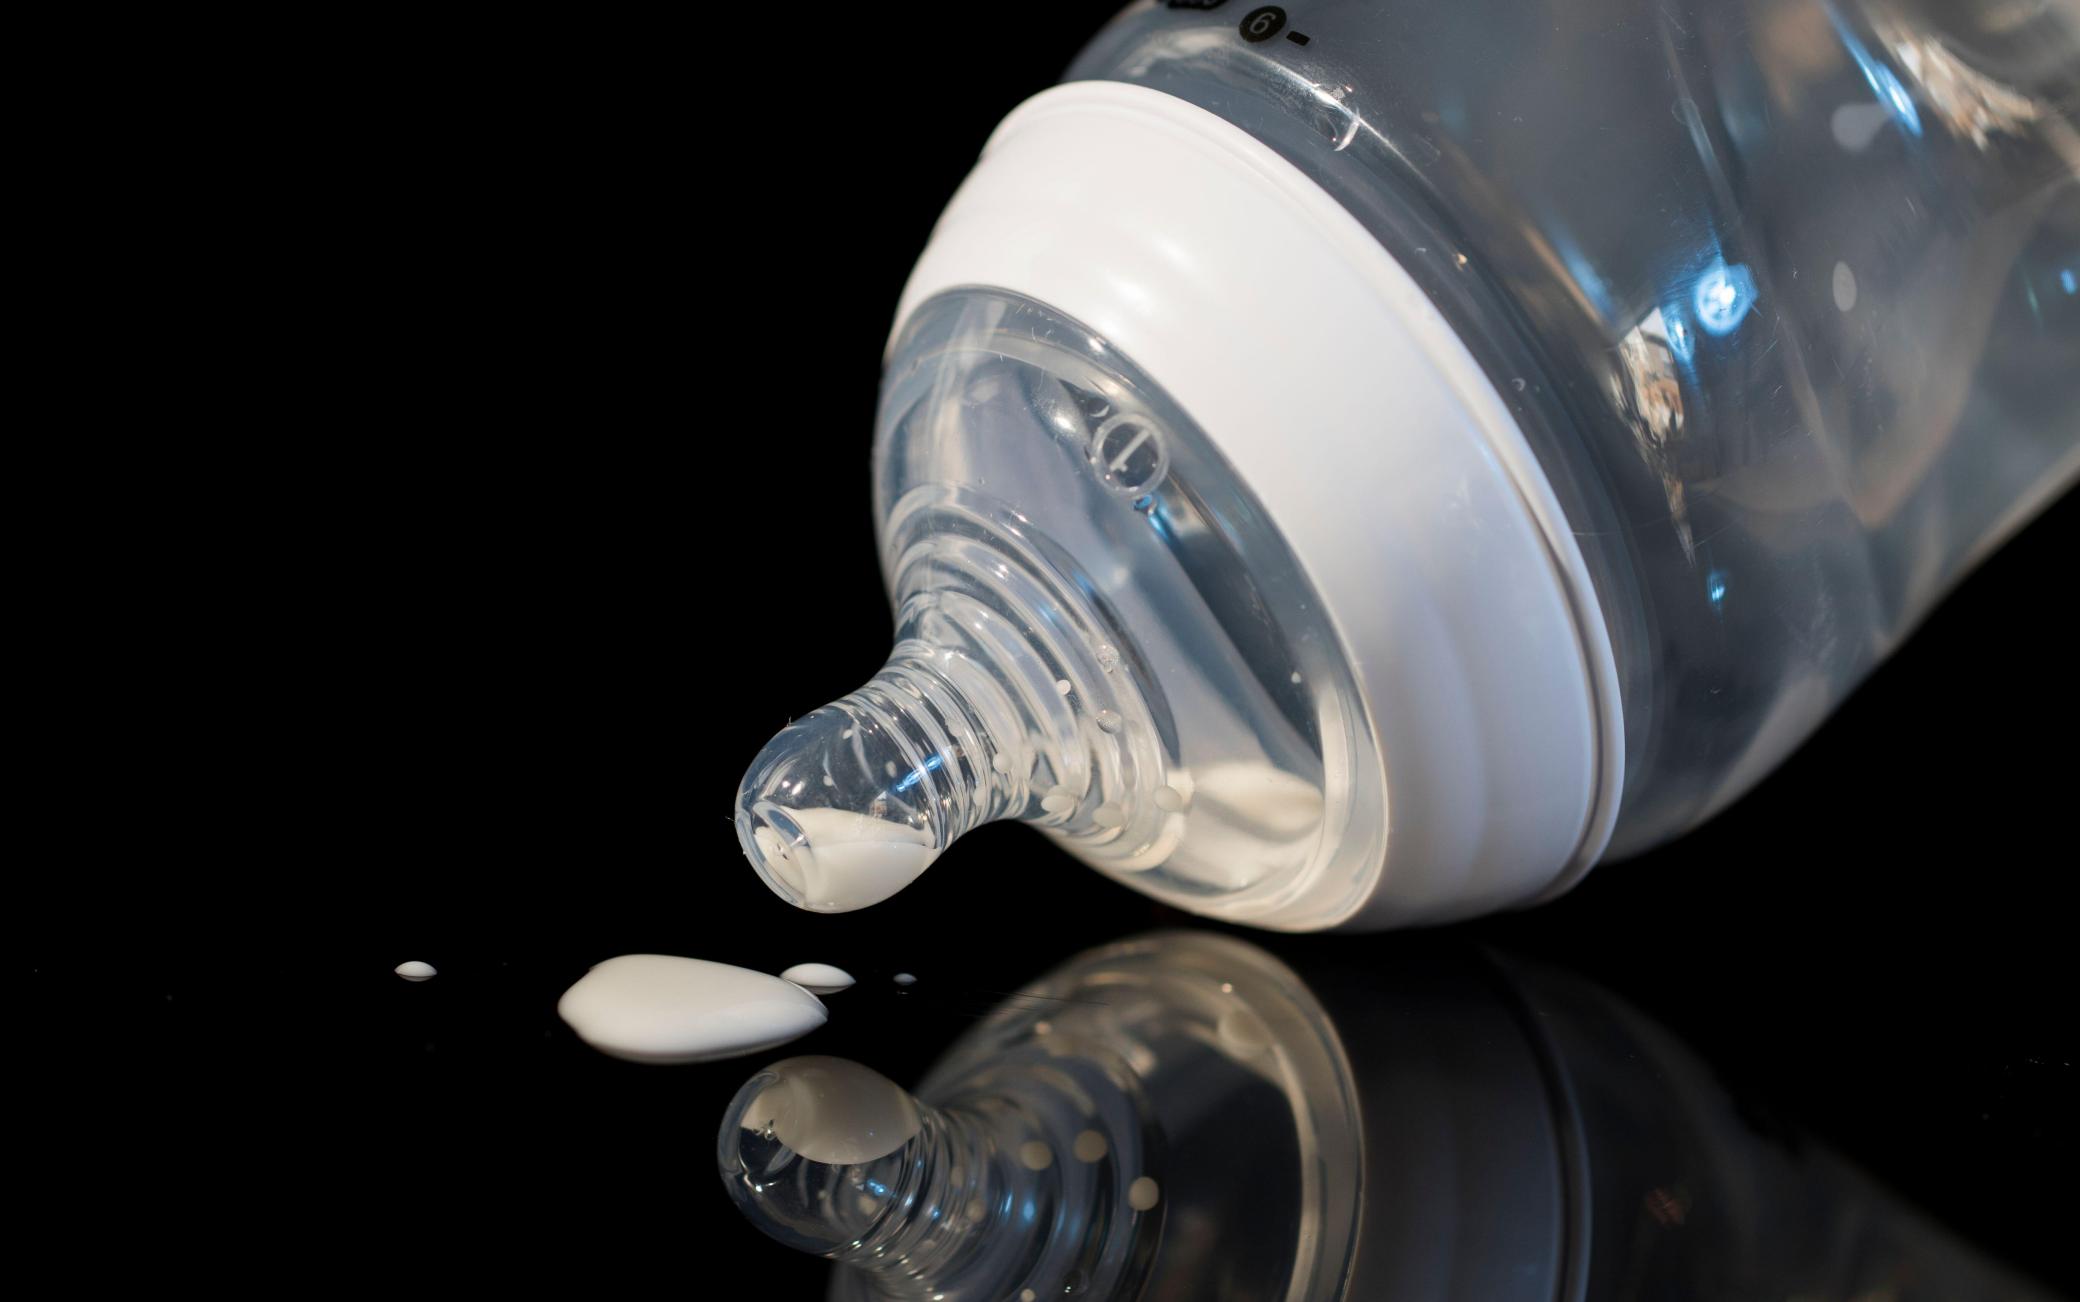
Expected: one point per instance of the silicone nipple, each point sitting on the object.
(841, 811)
(977, 716)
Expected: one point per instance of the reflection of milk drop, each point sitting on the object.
(1090, 1146)
(833, 1111)
(661, 1009)
(1035, 1156)
(1143, 1194)
(416, 971)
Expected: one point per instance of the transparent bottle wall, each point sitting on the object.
(1782, 292)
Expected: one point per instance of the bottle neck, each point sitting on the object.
(1008, 695)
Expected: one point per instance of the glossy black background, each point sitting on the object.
(576, 336)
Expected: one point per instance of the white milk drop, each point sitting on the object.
(417, 971)
(1143, 1194)
(662, 1009)
(833, 1111)
(818, 978)
(905, 979)
(1844, 287)
(846, 860)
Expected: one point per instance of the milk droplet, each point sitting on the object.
(1168, 799)
(1061, 685)
(1035, 1156)
(818, 978)
(1027, 1295)
(1109, 720)
(1001, 763)
(1060, 800)
(1090, 1146)
(416, 971)
(1143, 1194)
(659, 1008)
(1109, 814)
(905, 979)
(1844, 286)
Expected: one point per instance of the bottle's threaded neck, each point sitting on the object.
(1006, 696)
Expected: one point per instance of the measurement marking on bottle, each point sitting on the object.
(1263, 24)
(1298, 38)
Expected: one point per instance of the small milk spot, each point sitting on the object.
(1143, 1194)
(818, 978)
(1844, 286)
(905, 979)
(416, 971)
(1035, 1156)
(1090, 1146)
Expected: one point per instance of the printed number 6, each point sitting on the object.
(1263, 24)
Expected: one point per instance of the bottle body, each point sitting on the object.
(1365, 464)
(1780, 293)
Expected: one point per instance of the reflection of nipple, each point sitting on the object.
(832, 1111)
(831, 1158)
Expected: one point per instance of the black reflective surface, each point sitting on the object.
(480, 691)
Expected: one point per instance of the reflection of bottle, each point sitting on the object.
(1364, 462)
(1182, 1117)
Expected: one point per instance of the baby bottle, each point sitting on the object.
(1364, 462)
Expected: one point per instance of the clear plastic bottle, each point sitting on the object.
(1365, 462)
